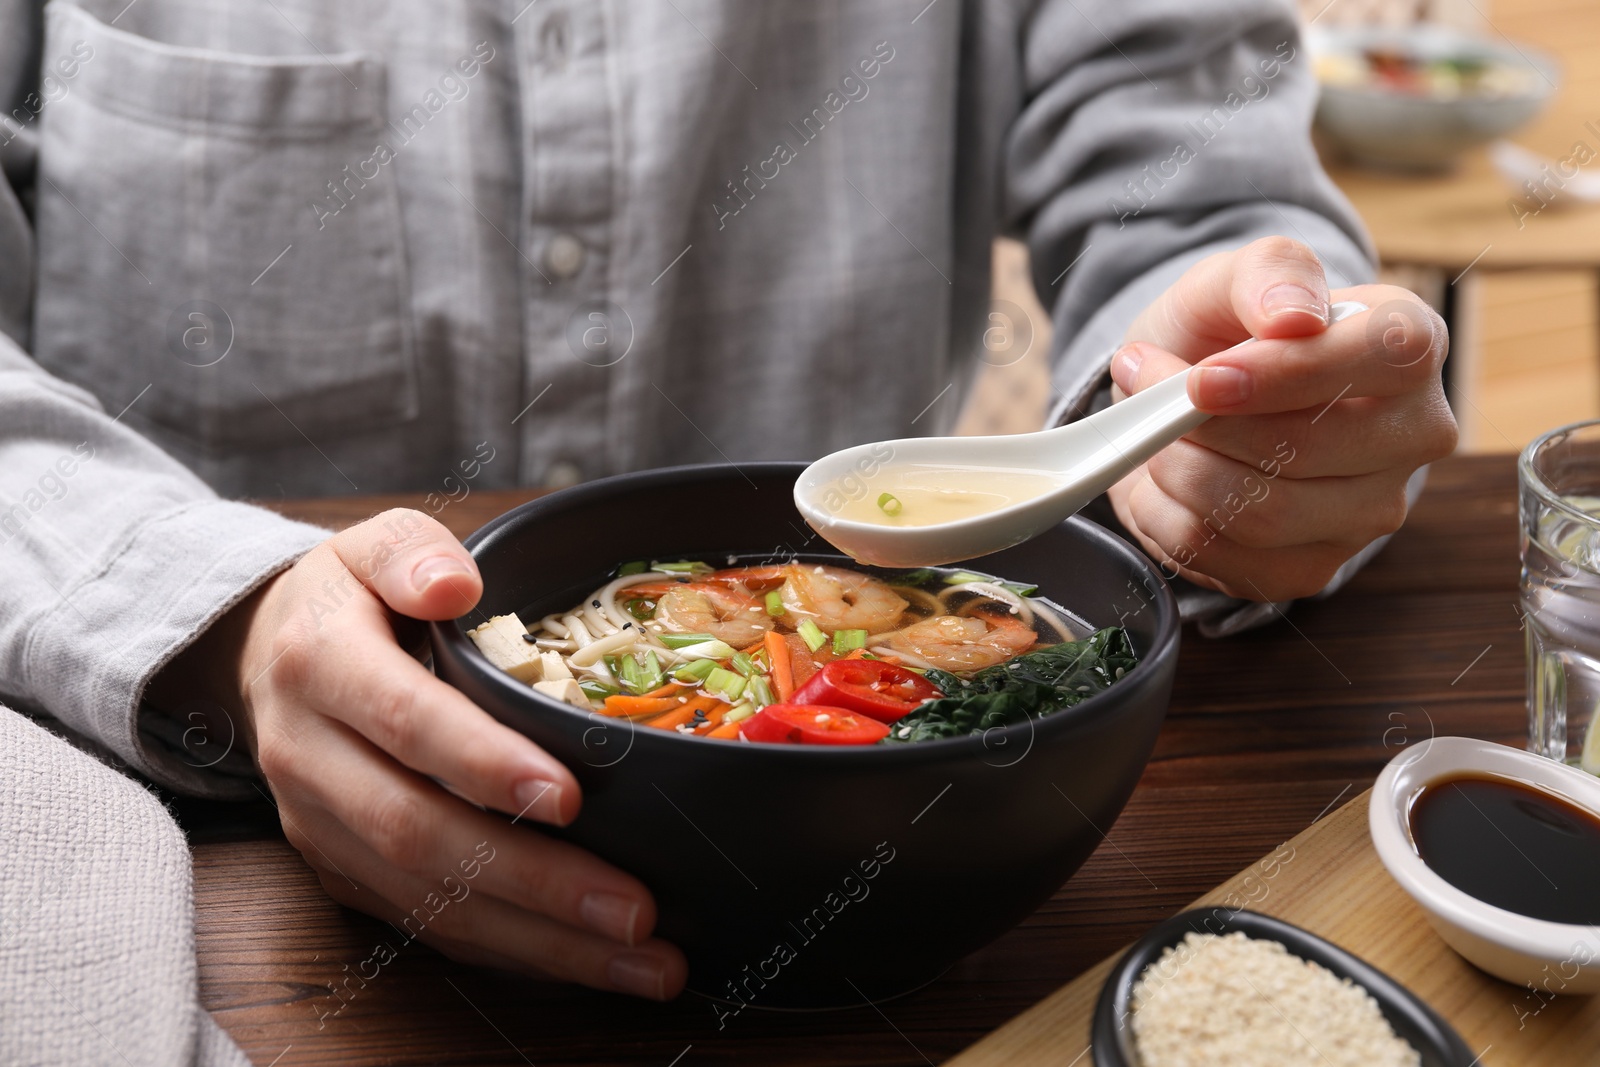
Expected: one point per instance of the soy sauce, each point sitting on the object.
(1512, 846)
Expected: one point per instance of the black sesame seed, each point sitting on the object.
(529, 638)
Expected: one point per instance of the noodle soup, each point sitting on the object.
(806, 651)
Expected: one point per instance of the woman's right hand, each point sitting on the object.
(353, 736)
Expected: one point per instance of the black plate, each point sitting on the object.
(1415, 1022)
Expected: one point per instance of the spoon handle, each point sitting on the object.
(1134, 429)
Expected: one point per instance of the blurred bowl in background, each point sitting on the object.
(1415, 98)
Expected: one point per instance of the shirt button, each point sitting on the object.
(554, 41)
(562, 474)
(563, 256)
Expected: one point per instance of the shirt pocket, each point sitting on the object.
(184, 259)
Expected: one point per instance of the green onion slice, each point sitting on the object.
(745, 664)
(847, 641)
(888, 503)
(631, 674)
(774, 604)
(654, 677)
(759, 692)
(683, 566)
(684, 640)
(963, 577)
(695, 670)
(595, 689)
(638, 566)
(707, 650)
(812, 634)
(739, 714)
(725, 683)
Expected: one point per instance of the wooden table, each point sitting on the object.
(1267, 731)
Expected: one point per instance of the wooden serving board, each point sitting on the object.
(1329, 881)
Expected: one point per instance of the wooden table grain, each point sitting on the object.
(1267, 731)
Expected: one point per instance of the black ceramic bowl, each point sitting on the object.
(1434, 1039)
(810, 877)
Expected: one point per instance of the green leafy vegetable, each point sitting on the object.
(638, 566)
(1036, 683)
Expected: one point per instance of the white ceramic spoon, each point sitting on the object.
(1083, 459)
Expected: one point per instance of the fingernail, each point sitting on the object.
(609, 914)
(636, 973)
(539, 799)
(1220, 387)
(434, 569)
(1294, 299)
(1125, 367)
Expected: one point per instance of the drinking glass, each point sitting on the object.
(1558, 478)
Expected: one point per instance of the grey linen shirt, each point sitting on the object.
(303, 247)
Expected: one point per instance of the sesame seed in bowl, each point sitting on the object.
(1237, 988)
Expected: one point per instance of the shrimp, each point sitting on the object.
(838, 599)
(963, 643)
(727, 614)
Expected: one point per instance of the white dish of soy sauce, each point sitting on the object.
(1499, 847)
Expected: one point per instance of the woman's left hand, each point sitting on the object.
(1319, 427)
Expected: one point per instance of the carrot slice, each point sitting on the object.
(713, 719)
(683, 713)
(728, 731)
(632, 707)
(778, 662)
(803, 662)
(671, 689)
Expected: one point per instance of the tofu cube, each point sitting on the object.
(500, 641)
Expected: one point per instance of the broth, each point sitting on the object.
(912, 494)
(1511, 846)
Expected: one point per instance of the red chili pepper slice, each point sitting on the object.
(869, 686)
(812, 725)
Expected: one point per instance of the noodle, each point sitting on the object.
(607, 594)
(1014, 603)
(590, 654)
(598, 624)
(921, 599)
(1050, 617)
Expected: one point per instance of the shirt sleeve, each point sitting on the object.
(113, 556)
(1151, 136)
